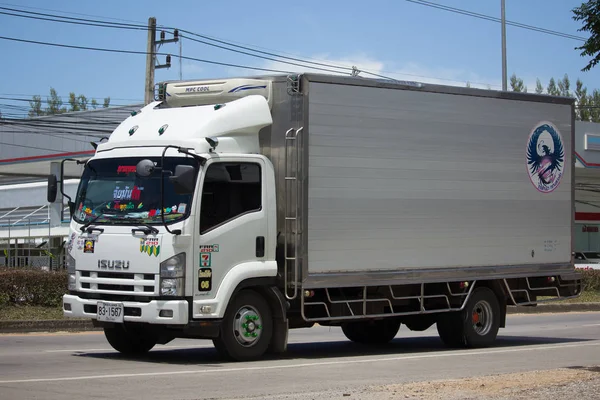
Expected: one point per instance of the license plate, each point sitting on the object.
(110, 312)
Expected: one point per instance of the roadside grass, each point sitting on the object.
(38, 313)
(589, 296)
(30, 313)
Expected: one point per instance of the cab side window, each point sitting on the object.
(230, 190)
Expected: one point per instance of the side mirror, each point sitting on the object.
(71, 207)
(184, 179)
(145, 168)
(52, 188)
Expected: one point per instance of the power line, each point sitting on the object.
(312, 64)
(71, 22)
(89, 22)
(266, 58)
(256, 51)
(140, 53)
(93, 97)
(31, 147)
(71, 13)
(62, 100)
(81, 21)
(98, 23)
(92, 22)
(495, 19)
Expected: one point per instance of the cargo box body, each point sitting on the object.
(401, 182)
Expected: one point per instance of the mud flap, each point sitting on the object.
(279, 340)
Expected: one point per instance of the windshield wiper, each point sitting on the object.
(148, 229)
(91, 221)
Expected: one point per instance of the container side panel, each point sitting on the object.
(402, 179)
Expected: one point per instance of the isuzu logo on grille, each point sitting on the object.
(113, 264)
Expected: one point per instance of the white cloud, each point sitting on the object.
(190, 70)
(407, 72)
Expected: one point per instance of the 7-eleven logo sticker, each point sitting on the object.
(205, 259)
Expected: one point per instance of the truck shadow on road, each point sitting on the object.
(326, 350)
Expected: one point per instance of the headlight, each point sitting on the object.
(70, 261)
(174, 267)
(172, 276)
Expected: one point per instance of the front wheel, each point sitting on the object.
(476, 325)
(130, 339)
(246, 329)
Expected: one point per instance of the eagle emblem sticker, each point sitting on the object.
(545, 157)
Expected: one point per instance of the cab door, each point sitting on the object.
(232, 221)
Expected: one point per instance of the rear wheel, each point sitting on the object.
(130, 339)
(372, 332)
(246, 329)
(476, 325)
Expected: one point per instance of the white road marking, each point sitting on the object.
(304, 365)
(111, 349)
(158, 348)
(588, 325)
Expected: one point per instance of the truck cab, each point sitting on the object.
(174, 221)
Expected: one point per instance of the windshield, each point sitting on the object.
(110, 192)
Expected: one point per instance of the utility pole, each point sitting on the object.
(151, 51)
(504, 82)
(150, 56)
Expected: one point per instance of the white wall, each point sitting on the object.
(31, 194)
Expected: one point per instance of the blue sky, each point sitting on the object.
(394, 38)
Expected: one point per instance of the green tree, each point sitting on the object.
(582, 112)
(78, 103)
(552, 89)
(55, 104)
(594, 105)
(589, 14)
(36, 107)
(563, 86)
(587, 106)
(517, 84)
(539, 89)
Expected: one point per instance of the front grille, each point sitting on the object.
(116, 288)
(118, 283)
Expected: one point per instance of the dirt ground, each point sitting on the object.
(581, 383)
(559, 384)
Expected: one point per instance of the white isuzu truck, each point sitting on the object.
(237, 209)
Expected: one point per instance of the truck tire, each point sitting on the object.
(372, 332)
(130, 340)
(476, 325)
(246, 329)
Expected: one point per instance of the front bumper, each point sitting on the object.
(134, 311)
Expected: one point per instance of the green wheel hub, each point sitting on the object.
(247, 326)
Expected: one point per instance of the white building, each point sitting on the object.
(32, 231)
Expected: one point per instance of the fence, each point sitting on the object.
(28, 240)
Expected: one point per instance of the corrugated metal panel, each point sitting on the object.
(62, 133)
(404, 179)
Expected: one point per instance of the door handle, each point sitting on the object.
(260, 246)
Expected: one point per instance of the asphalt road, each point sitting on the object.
(319, 359)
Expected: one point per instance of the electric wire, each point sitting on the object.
(107, 50)
(494, 19)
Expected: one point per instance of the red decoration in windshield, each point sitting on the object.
(125, 169)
